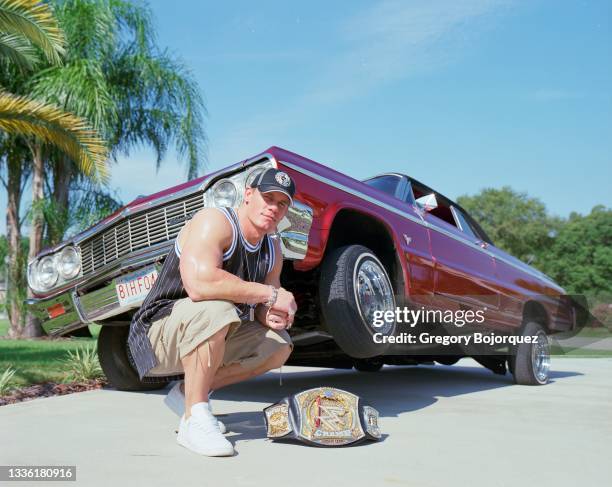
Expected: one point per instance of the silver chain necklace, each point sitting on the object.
(251, 277)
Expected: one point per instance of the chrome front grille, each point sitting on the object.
(138, 232)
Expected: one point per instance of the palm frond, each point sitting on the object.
(17, 50)
(78, 87)
(89, 26)
(136, 22)
(158, 103)
(71, 134)
(34, 20)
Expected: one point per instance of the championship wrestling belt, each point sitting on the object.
(324, 416)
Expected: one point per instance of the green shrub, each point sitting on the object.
(5, 378)
(83, 365)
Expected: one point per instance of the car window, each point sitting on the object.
(462, 222)
(443, 211)
(446, 212)
(387, 183)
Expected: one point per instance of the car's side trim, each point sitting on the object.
(404, 214)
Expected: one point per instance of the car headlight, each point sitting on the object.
(68, 263)
(46, 274)
(224, 193)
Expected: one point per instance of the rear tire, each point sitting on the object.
(353, 284)
(113, 356)
(531, 362)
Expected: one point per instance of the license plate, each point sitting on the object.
(134, 287)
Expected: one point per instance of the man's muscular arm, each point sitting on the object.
(207, 234)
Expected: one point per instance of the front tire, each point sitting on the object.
(354, 284)
(113, 356)
(530, 364)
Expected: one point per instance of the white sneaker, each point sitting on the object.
(200, 433)
(175, 400)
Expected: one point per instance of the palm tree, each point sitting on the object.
(26, 28)
(112, 74)
(115, 76)
(134, 93)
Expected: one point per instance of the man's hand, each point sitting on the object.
(285, 303)
(276, 320)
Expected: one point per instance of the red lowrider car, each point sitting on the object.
(352, 248)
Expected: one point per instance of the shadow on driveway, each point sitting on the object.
(392, 391)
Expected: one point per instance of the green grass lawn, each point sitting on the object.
(580, 353)
(600, 332)
(37, 361)
(593, 333)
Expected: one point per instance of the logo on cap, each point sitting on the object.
(283, 179)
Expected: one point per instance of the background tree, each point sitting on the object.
(516, 223)
(580, 256)
(28, 28)
(25, 26)
(14, 175)
(576, 252)
(133, 93)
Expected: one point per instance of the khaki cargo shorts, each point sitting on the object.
(193, 322)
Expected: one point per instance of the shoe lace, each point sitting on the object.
(205, 423)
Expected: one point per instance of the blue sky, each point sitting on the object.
(462, 95)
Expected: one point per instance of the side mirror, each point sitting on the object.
(427, 202)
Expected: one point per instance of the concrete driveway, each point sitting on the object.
(458, 425)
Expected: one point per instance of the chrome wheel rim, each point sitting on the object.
(540, 357)
(373, 292)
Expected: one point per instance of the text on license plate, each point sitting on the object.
(135, 287)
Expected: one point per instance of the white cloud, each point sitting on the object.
(396, 39)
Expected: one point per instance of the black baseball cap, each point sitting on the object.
(273, 179)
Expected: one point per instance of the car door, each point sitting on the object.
(508, 281)
(413, 237)
(464, 271)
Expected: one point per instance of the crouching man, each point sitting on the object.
(217, 313)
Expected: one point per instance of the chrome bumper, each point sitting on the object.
(79, 311)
